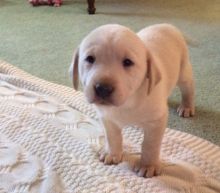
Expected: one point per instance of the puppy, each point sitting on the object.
(129, 77)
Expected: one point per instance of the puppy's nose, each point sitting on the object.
(103, 90)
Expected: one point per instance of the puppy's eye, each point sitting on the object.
(90, 59)
(127, 63)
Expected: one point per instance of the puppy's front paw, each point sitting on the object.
(185, 112)
(109, 158)
(147, 171)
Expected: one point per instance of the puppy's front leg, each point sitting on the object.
(112, 154)
(149, 163)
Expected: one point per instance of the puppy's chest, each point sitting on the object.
(129, 116)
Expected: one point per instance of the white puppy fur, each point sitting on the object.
(129, 78)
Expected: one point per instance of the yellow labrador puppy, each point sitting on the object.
(129, 77)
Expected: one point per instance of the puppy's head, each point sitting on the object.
(112, 63)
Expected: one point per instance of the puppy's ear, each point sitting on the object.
(153, 74)
(73, 70)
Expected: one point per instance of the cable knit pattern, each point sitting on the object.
(50, 136)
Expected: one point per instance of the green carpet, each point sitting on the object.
(40, 40)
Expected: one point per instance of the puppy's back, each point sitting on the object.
(162, 35)
(168, 47)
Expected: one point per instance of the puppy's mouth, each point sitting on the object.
(102, 102)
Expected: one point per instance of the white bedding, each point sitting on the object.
(49, 139)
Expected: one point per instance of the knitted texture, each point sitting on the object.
(50, 138)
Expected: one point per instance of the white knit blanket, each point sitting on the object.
(49, 139)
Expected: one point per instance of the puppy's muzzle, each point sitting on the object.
(103, 91)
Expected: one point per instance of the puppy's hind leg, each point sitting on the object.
(187, 88)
